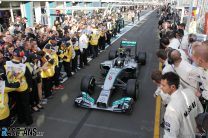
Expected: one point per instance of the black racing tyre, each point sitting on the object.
(141, 57)
(130, 109)
(131, 89)
(88, 84)
(112, 54)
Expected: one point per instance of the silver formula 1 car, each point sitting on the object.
(121, 73)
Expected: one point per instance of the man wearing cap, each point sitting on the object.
(94, 43)
(5, 98)
(48, 70)
(22, 75)
(53, 42)
(4, 107)
(31, 64)
(67, 57)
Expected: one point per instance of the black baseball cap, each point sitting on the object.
(52, 38)
(34, 56)
(49, 46)
(18, 52)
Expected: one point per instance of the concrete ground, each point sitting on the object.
(61, 119)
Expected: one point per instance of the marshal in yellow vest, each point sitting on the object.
(12, 78)
(4, 107)
(94, 39)
(68, 54)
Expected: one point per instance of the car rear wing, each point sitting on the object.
(125, 43)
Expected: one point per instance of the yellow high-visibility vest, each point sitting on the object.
(76, 48)
(62, 54)
(4, 111)
(94, 39)
(29, 67)
(22, 80)
(68, 54)
(56, 60)
(49, 72)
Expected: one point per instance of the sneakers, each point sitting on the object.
(60, 87)
(35, 109)
(44, 101)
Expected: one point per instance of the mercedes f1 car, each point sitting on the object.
(121, 73)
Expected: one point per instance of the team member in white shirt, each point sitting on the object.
(162, 56)
(191, 39)
(182, 109)
(174, 43)
(83, 45)
(200, 57)
(156, 78)
(183, 69)
(183, 54)
(184, 40)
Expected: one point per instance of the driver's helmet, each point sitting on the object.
(119, 62)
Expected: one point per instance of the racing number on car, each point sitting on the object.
(110, 77)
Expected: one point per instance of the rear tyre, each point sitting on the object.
(88, 84)
(141, 58)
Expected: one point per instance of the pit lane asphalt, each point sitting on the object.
(61, 119)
